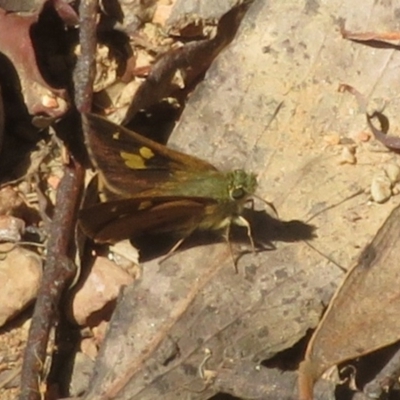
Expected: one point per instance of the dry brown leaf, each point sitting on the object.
(362, 315)
(39, 96)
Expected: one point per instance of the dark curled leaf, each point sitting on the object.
(39, 96)
(391, 142)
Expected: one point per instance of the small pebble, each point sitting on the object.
(348, 155)
(393, 172)
(11, 228)
(362, 136)
(101, 287)
(20, 275)
(332, 139)
(381, 187)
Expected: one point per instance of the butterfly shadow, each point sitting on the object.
(265, 230)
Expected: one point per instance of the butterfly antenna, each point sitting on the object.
(307, 242)
(360, 191)
(271, 208)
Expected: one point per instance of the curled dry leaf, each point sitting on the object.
(391, 142)
(38, 95)
(363, 314)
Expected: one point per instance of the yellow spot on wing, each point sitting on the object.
(146, 153)
(133, 161)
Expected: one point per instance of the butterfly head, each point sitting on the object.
(241, 185)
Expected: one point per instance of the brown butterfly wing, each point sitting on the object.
(130, 163)
(130, 218)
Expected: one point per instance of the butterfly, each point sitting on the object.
(152, 189)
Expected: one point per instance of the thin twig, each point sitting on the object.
(59, 269)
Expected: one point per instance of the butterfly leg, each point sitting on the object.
(226, 237)
(240, 221)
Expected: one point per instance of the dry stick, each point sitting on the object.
(85, 69)
(58, 268)
(369, 36)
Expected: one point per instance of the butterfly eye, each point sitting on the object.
(238, 193)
